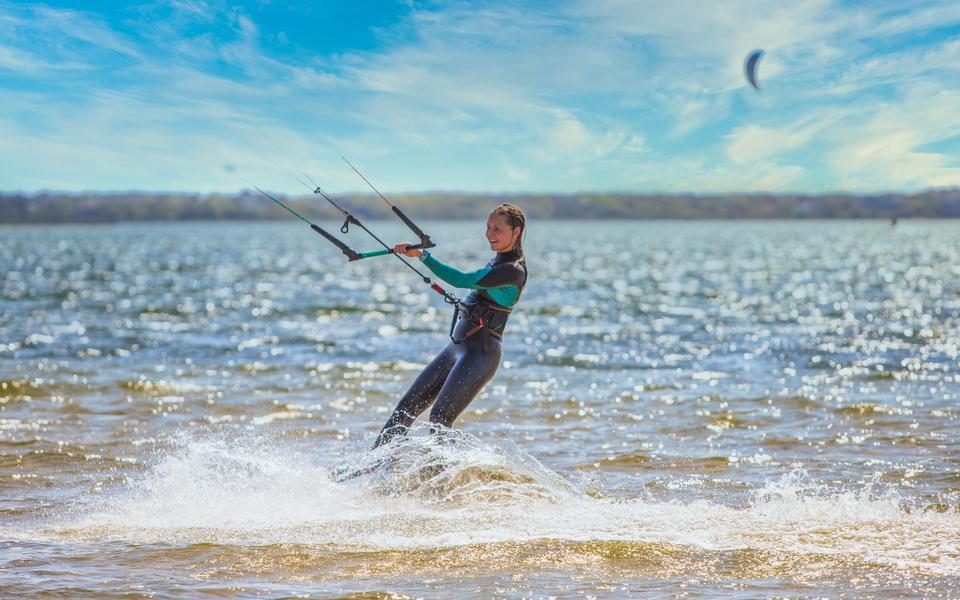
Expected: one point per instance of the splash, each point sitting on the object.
(455, 469)
(434, 492)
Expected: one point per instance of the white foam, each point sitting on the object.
(216, 483)
(434, 493)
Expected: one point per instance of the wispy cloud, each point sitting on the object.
(63, 23)
(14, 59)
(751, 142)
(889, 145)
(41, 38)
(892, 19)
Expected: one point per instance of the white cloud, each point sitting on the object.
(636, 144)
(14, 59)
(759, 176)
(917, 16)
(566, 137)
(247, 28)
(690, 113)
(62, 23)
(517, 174)
(750, 142)
(193, 8)
(901, 68)
(885, 148)
(694, 174)
(39, 40)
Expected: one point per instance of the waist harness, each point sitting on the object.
(481, 325)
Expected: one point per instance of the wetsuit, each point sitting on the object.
(469, 361)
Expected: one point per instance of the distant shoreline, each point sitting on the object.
(107, 208)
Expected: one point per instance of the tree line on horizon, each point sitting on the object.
(53, 207)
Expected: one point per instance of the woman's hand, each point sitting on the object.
(402, 249)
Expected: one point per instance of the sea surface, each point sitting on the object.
(684, 410)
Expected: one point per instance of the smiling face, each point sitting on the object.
(501, 236)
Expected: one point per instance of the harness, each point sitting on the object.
(474, 312)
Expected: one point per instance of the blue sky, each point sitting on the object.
(482, 96)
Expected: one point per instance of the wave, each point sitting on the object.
(433, 492)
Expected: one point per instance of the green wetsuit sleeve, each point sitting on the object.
(454, 276)
(502, 282)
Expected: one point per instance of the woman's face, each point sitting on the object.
(501, 236)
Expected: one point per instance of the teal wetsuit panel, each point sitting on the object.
(502, 279)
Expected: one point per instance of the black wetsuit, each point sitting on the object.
(458, 373)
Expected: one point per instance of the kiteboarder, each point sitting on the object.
(458, 373)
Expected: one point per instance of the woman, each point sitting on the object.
(459, 372)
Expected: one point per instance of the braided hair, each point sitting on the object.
(515, 218)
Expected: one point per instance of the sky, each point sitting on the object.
(491, 96)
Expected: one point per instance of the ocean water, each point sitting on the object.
(684, 410)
